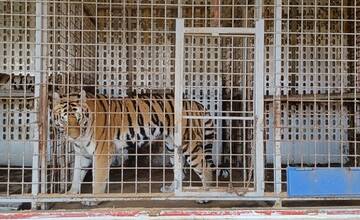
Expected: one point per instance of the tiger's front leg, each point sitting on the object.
(101, 167)
(79, 172)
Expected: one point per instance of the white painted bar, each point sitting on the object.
(219, 31)
(179, 72)
(259, 106)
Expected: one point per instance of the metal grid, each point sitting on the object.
(18, 116)
(220, 70)
(126, 48)
(70, 65)
(311, 86)
(141, 60)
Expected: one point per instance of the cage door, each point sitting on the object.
(220, 70)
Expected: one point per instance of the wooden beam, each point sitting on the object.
(317, 97)
(215, 13)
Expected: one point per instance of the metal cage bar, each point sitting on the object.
(178, 107)
(259, 106)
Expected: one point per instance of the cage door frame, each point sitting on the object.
(258, 33)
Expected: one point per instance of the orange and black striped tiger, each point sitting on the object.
(99, 128)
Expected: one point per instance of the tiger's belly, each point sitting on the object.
(120, 145)
(138, 138)
(87, 148)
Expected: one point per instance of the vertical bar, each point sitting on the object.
(277, 100)
(259, 105)
(258, 9)
(343, 85)
(43, 110)
(41, 104)
(179, 72)
(217, 146)
(130, 48)
(179, 9)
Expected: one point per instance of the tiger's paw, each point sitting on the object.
(73, 191)
(89, 203)
(202, 201)
(167, 189)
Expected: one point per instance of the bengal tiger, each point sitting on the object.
(99, 127)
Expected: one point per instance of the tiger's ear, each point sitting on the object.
(56, 98)
(83, 95)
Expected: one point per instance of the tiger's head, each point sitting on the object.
(71, 114)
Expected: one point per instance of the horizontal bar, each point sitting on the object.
(215, 196)
(219, 117)
(17, 93)
(241, 194)
(227, 30)
(186, 213)
(121, 197)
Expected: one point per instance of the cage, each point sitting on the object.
(275, 82)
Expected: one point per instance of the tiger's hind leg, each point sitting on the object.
(170, 149)
(198, 161)
(206, 178)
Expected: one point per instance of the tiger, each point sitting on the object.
(100, 127)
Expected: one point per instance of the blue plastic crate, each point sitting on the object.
(323, 182)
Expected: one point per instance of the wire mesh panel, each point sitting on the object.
(18, 115)
(133, 45)
(218, 72)
(319, 135)
(70, 66)
(238, 118)
(131, 102)
(311, 85)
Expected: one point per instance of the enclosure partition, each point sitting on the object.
(204, 58)
(278, 80)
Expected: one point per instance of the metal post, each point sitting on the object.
(217, 146)
(39, 156)
(179, 72)
(259, 105)
(277, 99)
(258, 8)
(179, 9)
